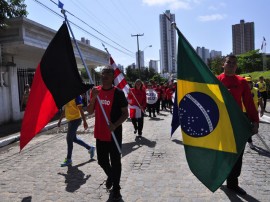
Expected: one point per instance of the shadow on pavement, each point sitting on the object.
(234, 197)
(262, 151)
(75, 178)
(132, 146)
(27, 199)
(155, 119)
(160, 114)
(178, 141)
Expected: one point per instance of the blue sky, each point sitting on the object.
(205, 23)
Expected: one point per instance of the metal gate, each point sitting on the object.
(25, 76)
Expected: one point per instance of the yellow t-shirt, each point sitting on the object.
(256, 96)
(261, 86)
(72, 111)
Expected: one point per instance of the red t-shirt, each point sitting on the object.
(240, 90)
(101, 130)
(140, 96)
(169, 93)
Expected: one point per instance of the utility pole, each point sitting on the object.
(139, 62)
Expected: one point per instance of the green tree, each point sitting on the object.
(250, 61)
(131, 74)
(215, 65)
(11, 9)
(158, 79)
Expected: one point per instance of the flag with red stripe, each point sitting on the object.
(56, 82)
(119, 79)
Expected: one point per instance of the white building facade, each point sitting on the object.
(22, 46)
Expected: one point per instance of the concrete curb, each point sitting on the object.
(16, 136)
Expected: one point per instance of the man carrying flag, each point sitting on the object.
(213, 126)
(115, 105)
(240, 91)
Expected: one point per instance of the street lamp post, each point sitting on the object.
(149, 46)
(139, 65)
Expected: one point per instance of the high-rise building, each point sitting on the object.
(203, 53)
(167, 43)
(154, 64)
(214, 54)
(141, 60)
(243, 37)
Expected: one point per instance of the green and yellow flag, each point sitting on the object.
(214, 128)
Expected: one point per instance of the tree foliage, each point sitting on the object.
(250, 61)
(215, 65)
(146, 74)
(11, 9)
(247, 62)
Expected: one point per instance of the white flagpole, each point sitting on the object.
(91, 81)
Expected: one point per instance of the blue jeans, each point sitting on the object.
(72, 137)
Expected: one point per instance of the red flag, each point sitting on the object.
(119, 79)
(56, 82)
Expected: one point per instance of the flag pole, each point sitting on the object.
(129, 91)
(91, 81)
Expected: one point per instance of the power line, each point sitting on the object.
(129, 54)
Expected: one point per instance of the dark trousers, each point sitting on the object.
(138, 124)
(151, 108)
(264, 97)
(163, 104)
(109, 160)
(232, 180)
(72, 137)
(158, 105)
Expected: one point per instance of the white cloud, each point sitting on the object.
(217, 7)
(213, 17)
(172, 4)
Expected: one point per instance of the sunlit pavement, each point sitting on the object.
(153, 168)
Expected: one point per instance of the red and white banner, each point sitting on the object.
(119, 79)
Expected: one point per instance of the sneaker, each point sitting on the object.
(251, 145)
(109, 184)
(116, 195)
(135, 131)
(91, 151)
(67, 162)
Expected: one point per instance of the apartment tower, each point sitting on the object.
(167, 43)
(243, 37)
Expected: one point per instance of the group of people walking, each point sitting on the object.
(111, 106)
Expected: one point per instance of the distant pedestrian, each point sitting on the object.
(261, 85)
(25, 96)
(74, 114)
(137, 101)
(159, 92)
(240, 91)
(151, 106)
(257, 101)
(115, 105)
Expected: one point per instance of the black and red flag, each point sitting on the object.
(56, 82)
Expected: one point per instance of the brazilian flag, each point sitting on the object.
(214, 128)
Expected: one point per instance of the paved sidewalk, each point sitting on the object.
(153, 169)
